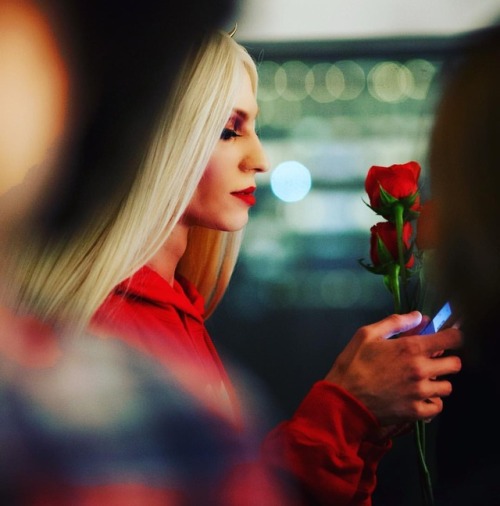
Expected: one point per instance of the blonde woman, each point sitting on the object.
(154, 266)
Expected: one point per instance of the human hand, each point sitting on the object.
(398, 380)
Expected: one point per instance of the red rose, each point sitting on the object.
(400, 181)
(387, 234)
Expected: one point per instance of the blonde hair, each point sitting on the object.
(64, 281)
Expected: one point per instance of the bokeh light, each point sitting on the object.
(290, 181)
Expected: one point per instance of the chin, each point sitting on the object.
(227, 222)
(233, 229)
(241, 225)
(235, 226)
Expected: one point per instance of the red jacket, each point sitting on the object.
(328, 445)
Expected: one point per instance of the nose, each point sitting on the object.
(256, 158)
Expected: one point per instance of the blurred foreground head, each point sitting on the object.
(81, 83)
(33, 100)
(465, 178)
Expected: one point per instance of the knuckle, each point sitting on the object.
(410, 346)
(420, 391)
(396, 319)
(416, 372)
(363, 332)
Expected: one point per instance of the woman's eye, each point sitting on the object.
(228, 133)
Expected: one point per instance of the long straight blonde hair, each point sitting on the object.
(64, 280)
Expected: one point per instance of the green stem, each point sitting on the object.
(393, 282)
(398, 219)
(398, 270)
(426, 482)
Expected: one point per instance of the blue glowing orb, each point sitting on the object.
(290, 181)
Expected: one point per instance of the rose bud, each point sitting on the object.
(384, 243)
(398, 183)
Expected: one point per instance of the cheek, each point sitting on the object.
(204, 201)
(204, 194)
(213, 183)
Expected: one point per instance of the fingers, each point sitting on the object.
(393, 324)
(422, 394)
(435, 389)
(430, 402)
(431, 345)
(449, 339)
(428, 409)
(425, 410)
(416, 330)
(399, 380)
(442, 366)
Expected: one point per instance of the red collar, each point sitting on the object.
(148, 285)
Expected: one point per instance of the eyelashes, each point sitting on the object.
(228, 133)
(233, 126)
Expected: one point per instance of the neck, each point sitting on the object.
(166, 259)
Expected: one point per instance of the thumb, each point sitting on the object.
(395, 324)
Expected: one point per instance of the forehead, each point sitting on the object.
(245, 99)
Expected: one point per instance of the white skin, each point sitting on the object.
(395, 379)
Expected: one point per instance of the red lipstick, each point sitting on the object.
(246, 195)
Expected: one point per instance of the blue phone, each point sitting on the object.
(443, 318)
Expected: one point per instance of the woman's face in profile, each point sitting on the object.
(226, 191)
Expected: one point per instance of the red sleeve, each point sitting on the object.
(326, 448)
